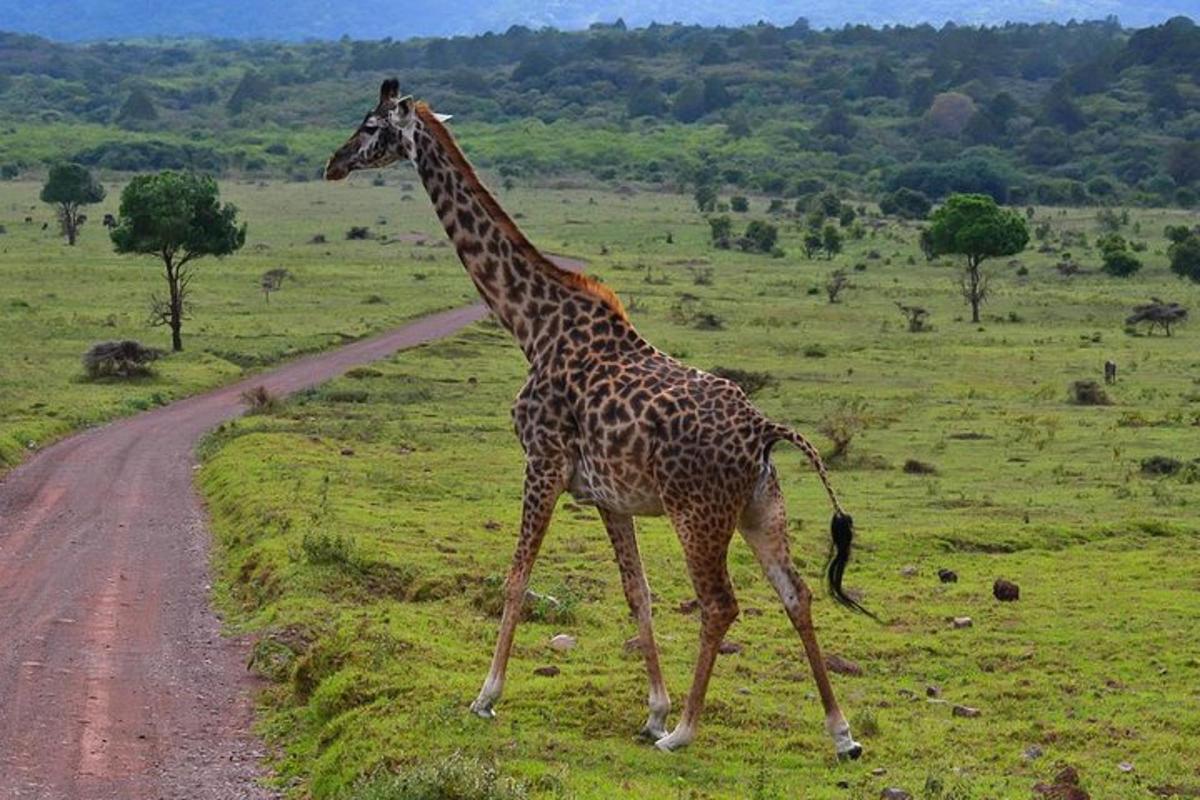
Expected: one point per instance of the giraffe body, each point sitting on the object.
(609, 419)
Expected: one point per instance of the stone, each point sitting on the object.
(1125, 766)
(962, 622)
(688, 606)
(842, 666)
(1006, 591)
(947, 576)
(965, 711)
(347, 451)
(729, 648)
(563, 643)
(894, 793)
(878, 771)
(547, 672)
(1032, 752)
(908, 571)
(933, 690)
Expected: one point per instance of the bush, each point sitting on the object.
(358, 232)
(1088, 393)
(760, 237)
(123, 359)
(914, 467)
(328, 549)
(1161, 465)
(259, 400)
(739, 204)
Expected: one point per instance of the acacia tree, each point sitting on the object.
(177, 217)
(70, 187)
(972, 225)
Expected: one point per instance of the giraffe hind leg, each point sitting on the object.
(764, 527)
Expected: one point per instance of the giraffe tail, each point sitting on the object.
(841, 528)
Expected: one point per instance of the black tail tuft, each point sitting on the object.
(842, 530)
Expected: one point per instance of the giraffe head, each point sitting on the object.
(385, 135)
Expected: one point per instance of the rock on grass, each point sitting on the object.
(842, 666)
(1006, 591)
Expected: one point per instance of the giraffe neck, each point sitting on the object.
(536, 301)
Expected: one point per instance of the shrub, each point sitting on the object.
(1161, 465)
(1088, 393)
(842, 424)
(914, 467)
(751, 382)
(328, 549)
(358, 232)
(760, 237)
(739, 203)
(906, 203)
(119, 359)
(259, 400)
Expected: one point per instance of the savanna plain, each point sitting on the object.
(362, 529)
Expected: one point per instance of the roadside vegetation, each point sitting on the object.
(363, 529)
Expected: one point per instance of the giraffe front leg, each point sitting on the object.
(705, 545)
(544, 482)
(621, 532)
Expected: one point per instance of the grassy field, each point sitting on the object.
(363, 528)
(55, 300)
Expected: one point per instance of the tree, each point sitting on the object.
(739, 203)
(721, 229)
(1118, 261)
(835, 283)
(831, 241)
(705, 196)
(1185, 256)
(646, 100)
(882, 82)
(972, 225)
(1183, 162)
(177, 217)
(1158, 313)
(906, 203)
(70, 187)
(812, 243)
(252, 88)
(138, 108)
(689, 104)
(760, 237)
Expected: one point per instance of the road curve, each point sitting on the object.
(115, 682)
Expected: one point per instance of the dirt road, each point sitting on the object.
(115, 682)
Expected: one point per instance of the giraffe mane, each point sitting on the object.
(502, 220)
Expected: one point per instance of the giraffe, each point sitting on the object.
(614, 422)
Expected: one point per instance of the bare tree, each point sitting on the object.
(837, 281)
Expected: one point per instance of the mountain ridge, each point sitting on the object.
(295, 20)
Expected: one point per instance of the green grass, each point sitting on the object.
(364, 542)
(55, 300)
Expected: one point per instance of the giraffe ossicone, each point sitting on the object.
(616, 423)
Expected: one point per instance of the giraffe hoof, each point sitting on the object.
(651, 733)
(672, 742)
(852, 754)
(482, 710)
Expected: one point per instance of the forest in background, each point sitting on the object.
(1058, 114)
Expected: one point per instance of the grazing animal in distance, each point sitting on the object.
(110, 221)
(616, 423)
(1110, 372)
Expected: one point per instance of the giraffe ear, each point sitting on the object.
(442, 117)
(389, 89)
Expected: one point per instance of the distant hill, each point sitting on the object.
(73, 20)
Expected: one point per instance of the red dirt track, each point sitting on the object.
(115, 682)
